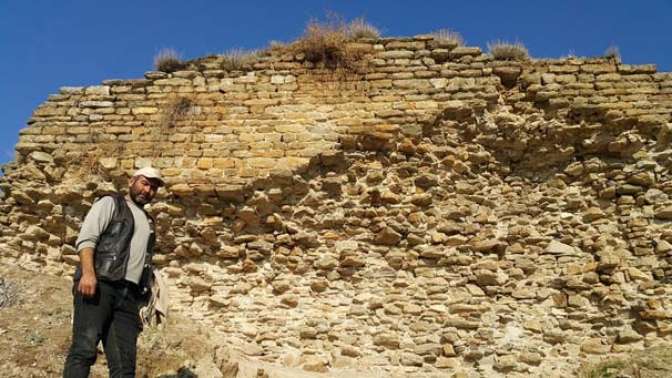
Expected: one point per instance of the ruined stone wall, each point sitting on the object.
(430, 210)
(211, 127)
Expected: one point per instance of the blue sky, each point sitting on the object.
(48, 44)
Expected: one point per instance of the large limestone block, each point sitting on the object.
(560, 249)
(395, 54)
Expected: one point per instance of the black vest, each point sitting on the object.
(113, 248)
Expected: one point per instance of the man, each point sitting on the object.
(115, 250)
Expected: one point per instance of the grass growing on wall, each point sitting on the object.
(176, 109)
(502, 50)
(238, 59)
(328, 43)
(447, 35)
(168, 60)
(360, 28)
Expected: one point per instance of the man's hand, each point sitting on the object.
(87, 285)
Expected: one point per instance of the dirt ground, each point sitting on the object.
(35, 333)
(35, 336)
(652, 363)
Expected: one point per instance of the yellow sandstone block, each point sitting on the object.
(144, 110)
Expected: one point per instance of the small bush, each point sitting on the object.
(168, 60)
(325, 43)
(359, 28)
(508, 51)
(447, 35)
(612, 52)
(237, 59)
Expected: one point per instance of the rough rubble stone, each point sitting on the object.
(437, 212)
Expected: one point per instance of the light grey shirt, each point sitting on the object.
(99, 218)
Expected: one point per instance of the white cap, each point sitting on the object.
(150, 173)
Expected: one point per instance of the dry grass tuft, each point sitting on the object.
(323, 43)
(447, 35)
(359, 28)
(168, 60)
(612, 52)
(276, 46)
(175, 110)
(508, 51)
(327, 43)
(238, 59)
(570, 55)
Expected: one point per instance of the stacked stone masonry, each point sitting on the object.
(429, 212)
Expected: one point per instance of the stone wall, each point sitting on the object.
(430, 211)
(234, 126)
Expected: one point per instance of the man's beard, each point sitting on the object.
(138, 198)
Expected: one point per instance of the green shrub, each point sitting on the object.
(168, 60)
(508, 51)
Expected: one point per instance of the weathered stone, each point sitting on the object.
(410, 359)
(461, 51)
(592, 214)
(492, 246)
(530, 358)
(308, 333)
(490, 278)
(316, 364)
(396, 54)
(281, 286)
(326, 262)
(557, 248)
(460, 323)
(98, 90)
(595, 346)
(319, 285)
(229, 252)
(448, 363)
(387, 236)
(664, 213)
(628, 335)
(289, 300)
(41, 157)
(386, 340)
(505, 363)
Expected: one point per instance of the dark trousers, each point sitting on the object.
(110, 316)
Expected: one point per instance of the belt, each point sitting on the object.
(121, 284)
